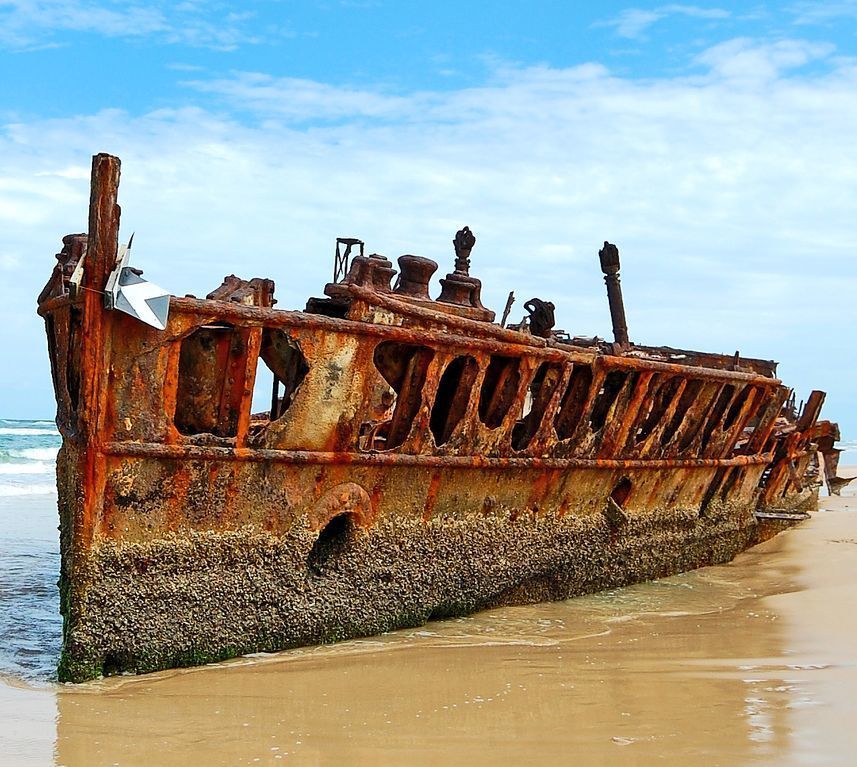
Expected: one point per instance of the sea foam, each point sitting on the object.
(23, 431)
(31, 453)
(39, 488)
(31, 467)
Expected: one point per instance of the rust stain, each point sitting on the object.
(431, 495)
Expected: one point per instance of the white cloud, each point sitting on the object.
(73, 171)
(24, 20)
(632, 23)
(297, 99)
(823, 12)
(746, 59)
(34, 23)
(732, 202)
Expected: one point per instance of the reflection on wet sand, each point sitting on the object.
(749, 663)
(453, 705)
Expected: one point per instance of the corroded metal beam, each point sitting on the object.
(256, 455)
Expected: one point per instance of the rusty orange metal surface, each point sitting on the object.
(385, 405)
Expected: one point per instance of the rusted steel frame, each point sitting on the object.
(749, 409)
(100, 260)
(783, 472)
(777, 482)
(693, 420)
(459, 400)
(620, 422)
(471, 420)
(653, 443)
(588, 439)
(233, 352)
(767, 422)
(569, 408)
(253, 455)
(811, 411)
(277, 318)
(482, 329)
(582, 437)
(420, 398)
(708, 436)
(171, 390)
(250, 316)
(58, 329)
(705, 359)
(476, 328)
(826, 429)
(544, 434)
(614, 414)
(793, 475)
(56, 303)
(719, 434)
(495, 402)
(417, 393)
(712, 419)
(527, 369)
(517, 344)
(512, 343)
(254, 345)
(469, 423)
(652, 386)
(600, 363)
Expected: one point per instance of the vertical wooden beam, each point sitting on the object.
(104, 214)
(767, 420)
(101, 250)
(253, 343)
(811, 411)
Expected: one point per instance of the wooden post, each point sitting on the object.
(103, 243)
(811, 411)
(102, 247)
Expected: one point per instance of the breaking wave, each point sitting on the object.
(29, 453)
(33, 467)
(849, 454)
(24, 431)
(40, 488)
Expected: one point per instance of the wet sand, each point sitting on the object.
(754, 662)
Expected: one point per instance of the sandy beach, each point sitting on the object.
(748, 663)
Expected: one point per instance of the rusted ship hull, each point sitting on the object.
(417, 462)
(193, 596)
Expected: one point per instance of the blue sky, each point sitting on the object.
(713, 142)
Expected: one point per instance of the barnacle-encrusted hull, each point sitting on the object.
(194, 596)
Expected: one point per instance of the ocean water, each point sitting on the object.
(28, 451)
(30, 624)
(849, 454)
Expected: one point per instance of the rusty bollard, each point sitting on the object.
(609, 256)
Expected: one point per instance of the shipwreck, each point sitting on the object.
(418, 460)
